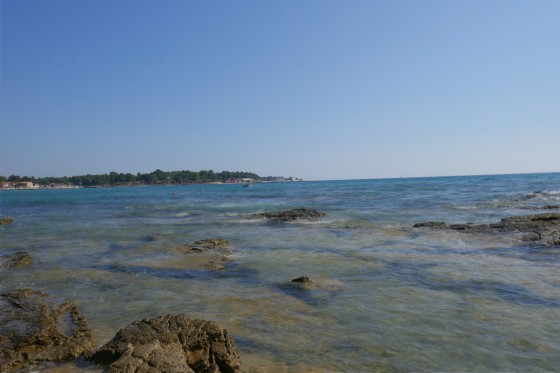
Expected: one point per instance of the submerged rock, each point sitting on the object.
(210, 253)
(171, 343)
(212, 243)
(19, 259)
(6, 221)
(34, 328)
(542, 229)
(290, 215)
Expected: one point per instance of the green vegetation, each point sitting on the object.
(152, 178)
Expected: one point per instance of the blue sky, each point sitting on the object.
(317, 89)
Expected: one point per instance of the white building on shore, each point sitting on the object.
(18, 185)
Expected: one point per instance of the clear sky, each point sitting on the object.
(318, 89)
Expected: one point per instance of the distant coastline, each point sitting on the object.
(157, 177)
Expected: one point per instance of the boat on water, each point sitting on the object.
(247, 183)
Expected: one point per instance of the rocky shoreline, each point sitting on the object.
(38, 329)
(35, 328)
(541, 229)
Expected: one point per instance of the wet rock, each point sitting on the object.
(302, 279)
(314, 292)
(430, 224)
(212, 243)
(171, 343)
(6, 221)
(543, 229)
(34, 328)
(290, 215)
(299, 283)
(469, 227)
(546, 226)
(210, 253)
(19, 259)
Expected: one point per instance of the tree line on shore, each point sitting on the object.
(155, 177)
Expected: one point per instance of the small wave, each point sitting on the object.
(465, 207)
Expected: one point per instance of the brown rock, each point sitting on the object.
(171, 343)
(542, 229)
(210, 254)
(291, 215)
(212, 242)
(34, 328)
(302, 279)
(18, 259)
(6, 221)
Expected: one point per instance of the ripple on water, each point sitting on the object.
(386, 297)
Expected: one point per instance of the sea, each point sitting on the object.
(384, 297)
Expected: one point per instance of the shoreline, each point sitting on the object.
(146, 185)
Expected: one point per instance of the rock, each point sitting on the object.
(18, 259)
(430, 224)
(313, 292)
(546, 226)
(299, 283)
(290, 215)
(6, 221)
(466, 227)
(171, 343)
(543, 229)
(212, 243)
(210, 253)
(302, 279)
(34, 328)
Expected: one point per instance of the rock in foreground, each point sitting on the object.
(290, 215)
(171, 343)
(18, 259)
(34, 329)
(543, 229)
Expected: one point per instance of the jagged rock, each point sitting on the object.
(19, 259)
(290, 215)
(546, 226)
(6, 221)
(34, 328)
(542, 229)
(168, 344)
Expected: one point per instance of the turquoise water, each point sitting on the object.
(386, 297)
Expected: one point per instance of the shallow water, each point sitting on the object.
(385, 296)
